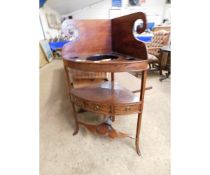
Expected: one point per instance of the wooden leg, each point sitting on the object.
(138, 133)
(160, 63)
(75, 118)
(138, 127)
(81, 110)
(113, 118)
(112, 80)
(150, 66)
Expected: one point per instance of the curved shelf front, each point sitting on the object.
(106, 98)
(116, 63)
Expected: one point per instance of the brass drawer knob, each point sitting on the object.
(96, 108)
(127, 108)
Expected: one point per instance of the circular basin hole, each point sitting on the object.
(74, 57)
(102, 57)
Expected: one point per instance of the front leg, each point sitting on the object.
(138, 133)
(75, 118)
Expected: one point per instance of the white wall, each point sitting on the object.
(167, 12)
(41, 34)
(154, 9)
(97, 11)
(67, 6)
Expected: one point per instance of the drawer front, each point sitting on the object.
(78, 102)
(118, 109)
(91, 106)
(98, 108)
(126, 109)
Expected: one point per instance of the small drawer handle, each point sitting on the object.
(96, 108)
(127, 108)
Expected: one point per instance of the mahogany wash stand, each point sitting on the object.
(107, 46)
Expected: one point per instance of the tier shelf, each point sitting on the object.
(107, 98)
(106, 92)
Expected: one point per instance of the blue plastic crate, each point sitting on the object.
(57, 45)
(144, 38)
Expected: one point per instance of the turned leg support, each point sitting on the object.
(75, 118)
(138, 133)
(138, 128)
(113, 118)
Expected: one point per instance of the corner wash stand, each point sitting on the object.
(107, 46)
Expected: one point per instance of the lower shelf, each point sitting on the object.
(105, 129)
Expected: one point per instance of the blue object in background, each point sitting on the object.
(41, 3)
(150, 25)
(147, 36)
(144, 38)
(116, 3)
(57, 45)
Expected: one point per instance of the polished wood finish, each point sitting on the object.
(112, 76)
(105, 93)
(94, 37)
(76, 120)
(106, 100)
(122, 64)
(112, 79)
(123, 40)
(104, 129)
(143, 84)
(109, 98)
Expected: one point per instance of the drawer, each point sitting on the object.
(119, 109)
(79, 102)
(98, 108)
(91, 106)
(126, 109)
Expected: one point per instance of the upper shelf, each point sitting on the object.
(108, 62)
(107, 92)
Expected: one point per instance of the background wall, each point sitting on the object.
(155, 10)
(96, 11)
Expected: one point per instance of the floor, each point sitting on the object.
(61, 153)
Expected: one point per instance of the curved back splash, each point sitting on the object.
(106, 36)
